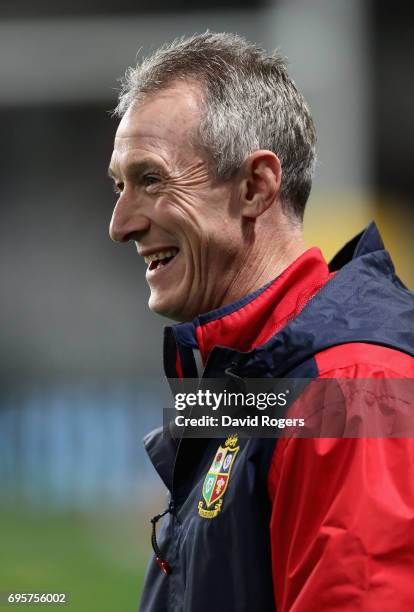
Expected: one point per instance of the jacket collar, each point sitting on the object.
(363, 301)
(271, 322)
(246, 323)
(367, 241)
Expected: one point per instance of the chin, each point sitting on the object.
(168, 310)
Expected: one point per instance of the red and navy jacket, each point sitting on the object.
(305, 524)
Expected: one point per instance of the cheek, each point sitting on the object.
(184, 218)
(200, 220)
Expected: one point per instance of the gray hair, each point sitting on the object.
(249, 102)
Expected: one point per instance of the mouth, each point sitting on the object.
(161, 259)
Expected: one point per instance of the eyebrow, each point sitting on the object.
(135, 168)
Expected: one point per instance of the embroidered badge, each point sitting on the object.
(217, 478)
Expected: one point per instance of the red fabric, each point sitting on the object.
(359, 360)
(342, 526)
(178, 367)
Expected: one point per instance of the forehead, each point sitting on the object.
(161, 125)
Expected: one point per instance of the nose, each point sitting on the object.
(128, 222)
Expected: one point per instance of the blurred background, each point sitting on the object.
(81, 356)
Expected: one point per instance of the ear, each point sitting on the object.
(261, 176)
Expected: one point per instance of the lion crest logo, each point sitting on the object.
(217, 478)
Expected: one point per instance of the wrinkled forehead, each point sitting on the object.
(169, 117)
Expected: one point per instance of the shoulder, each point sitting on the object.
(363, 360)
(375, 407)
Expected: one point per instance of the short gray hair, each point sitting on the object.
(249, 103)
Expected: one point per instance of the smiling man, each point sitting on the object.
(197, 232)
(213, 163)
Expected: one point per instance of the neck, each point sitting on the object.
(265, 258)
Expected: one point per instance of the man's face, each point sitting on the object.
(186, 225)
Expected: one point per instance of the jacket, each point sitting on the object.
(299, 524)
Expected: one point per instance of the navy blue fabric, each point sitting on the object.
(223, 564)
(170, 353)
(185, 334)
(182, 339)
(367, 241)
(162, 452)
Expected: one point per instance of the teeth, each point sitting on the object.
(161, 255)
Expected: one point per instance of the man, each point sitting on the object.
(213, 163)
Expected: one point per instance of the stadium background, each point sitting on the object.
(80, 352)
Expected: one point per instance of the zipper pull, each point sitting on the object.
(163, 564)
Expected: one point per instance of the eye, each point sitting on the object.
(150, 179)
(118, 188)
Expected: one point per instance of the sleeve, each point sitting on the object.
(342, 524)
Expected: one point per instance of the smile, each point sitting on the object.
(160, 259)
